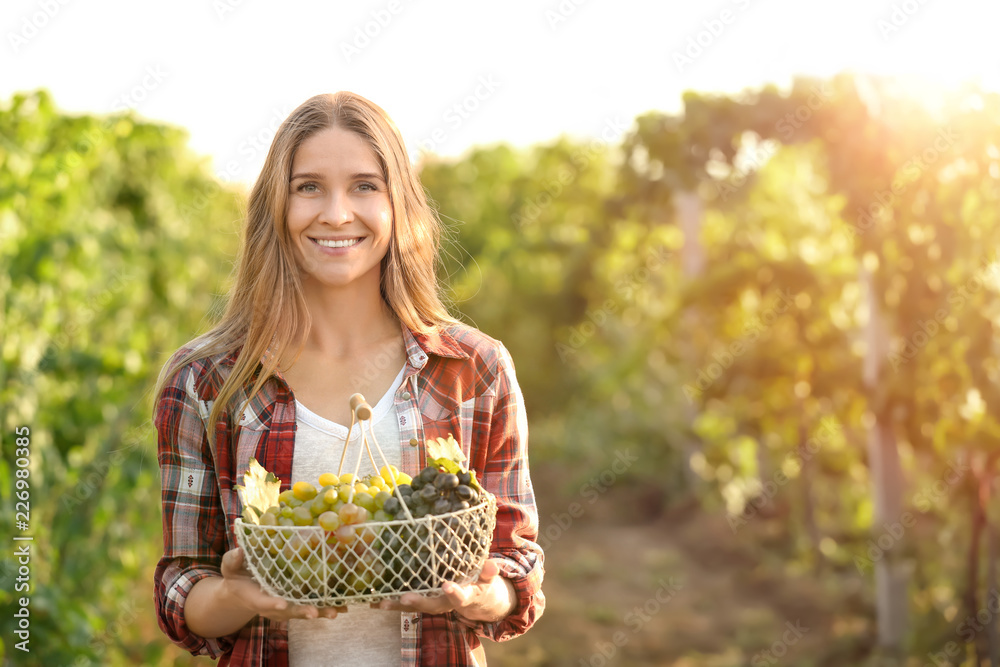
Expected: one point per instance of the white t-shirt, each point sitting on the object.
(363, 636)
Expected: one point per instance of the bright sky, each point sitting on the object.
(453, 74)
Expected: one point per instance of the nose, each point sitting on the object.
(337, 209)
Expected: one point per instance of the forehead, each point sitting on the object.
(335, 149)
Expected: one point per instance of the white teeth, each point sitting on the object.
(326, 243)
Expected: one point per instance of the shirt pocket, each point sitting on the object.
(440, 421)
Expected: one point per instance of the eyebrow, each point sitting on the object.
(318, 177)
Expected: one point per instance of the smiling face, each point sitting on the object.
(339, 215)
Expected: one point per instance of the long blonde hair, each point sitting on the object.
(266, 315)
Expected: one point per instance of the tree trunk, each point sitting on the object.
(992, 594)
(808, 506)
(972, 559)
(689, 211)
(887, 484)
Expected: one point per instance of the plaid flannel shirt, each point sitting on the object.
(457, 381)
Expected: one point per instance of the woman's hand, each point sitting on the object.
(489, 599)
(238, 584)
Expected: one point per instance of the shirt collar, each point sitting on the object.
(440, 343)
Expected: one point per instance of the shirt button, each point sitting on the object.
(405, 396)
(414, 442)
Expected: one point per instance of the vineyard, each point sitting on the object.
(755, 339)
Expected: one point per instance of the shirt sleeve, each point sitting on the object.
(515, 539)
(194, 525)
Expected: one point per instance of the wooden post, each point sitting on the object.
(689, 211)
(891, 577)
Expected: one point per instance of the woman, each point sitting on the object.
(336, 293)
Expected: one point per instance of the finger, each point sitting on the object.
(232, 560)
(256, 598)
(305, 611)
(490, 570)
(425, 605)
(389, 605)
(459, 596)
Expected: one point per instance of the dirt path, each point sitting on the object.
(682, 590)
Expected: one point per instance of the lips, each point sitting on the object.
(337, 243)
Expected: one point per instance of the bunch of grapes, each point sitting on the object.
(434, 491)
(362, 554)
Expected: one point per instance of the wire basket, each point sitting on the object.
(380, 560)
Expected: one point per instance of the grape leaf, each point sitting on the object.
(447, 455)
(259, 491)
(439, 448)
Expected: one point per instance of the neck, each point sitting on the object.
(346, 322)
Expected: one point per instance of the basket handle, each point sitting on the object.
(360, 407)
(362, 412)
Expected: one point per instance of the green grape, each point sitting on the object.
(329, 521)
(381, 497)
(304, 491)
(317, 506)
(365, 500)
(302, 516)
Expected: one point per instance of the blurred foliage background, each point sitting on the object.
(755, 339)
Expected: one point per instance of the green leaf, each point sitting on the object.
(439, 448)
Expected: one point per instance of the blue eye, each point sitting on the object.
(302, 188)
(369, 185)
